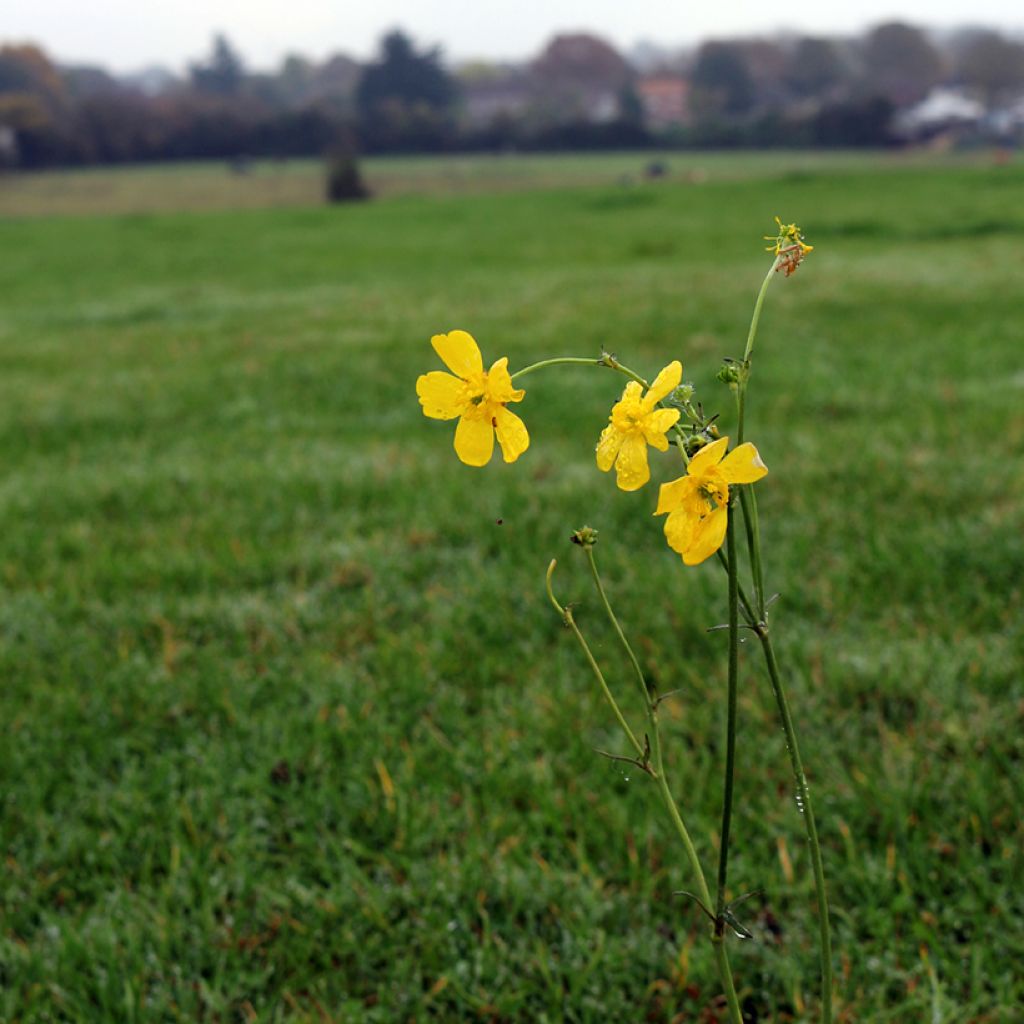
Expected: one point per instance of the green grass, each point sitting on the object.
(213, 185)
(290, 730)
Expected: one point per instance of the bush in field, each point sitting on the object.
(344, 181)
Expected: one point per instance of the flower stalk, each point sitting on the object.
(730, 731)
(650, 703)
(701, 510)
(789, 249)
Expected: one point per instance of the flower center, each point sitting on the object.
(713, 487)
(628, 417)
(478, 396)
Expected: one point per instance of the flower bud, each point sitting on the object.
(729, 373)
(585, 536)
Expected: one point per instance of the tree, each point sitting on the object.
(26, 70)
(402, 75)
(223, 73)
(721, 83)
(900, 63)
(990, 63)
(816, 67)
(579, 77)
(405, 99)
(34, 107)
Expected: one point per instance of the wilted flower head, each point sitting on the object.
(789, 246)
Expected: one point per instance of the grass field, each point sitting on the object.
(266, 184)
(290, 730)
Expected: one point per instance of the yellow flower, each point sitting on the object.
(477, 396)
(636, 423)
(698, 503)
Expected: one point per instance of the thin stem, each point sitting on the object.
(741, 393)
(748, 502)
(559, 361)
(748, 608)
(730, 731)
(805, 806)
(717, 940)
(645, 692)
(567, 618)
(755, 319)
(717, 937)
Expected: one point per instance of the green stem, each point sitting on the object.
(749, 506)
(755, 319)
(807, 810)
(748, 502)
(645, 693)
(717, 940)
(559, 361)
(741, 395)
(567, 618)
(730, 732)
(717, 937)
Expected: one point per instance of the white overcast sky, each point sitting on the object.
(129, 34)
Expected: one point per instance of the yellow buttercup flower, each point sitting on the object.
(698, 503)
(477, 396)
(634, 424)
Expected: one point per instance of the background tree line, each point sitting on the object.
(578, 92)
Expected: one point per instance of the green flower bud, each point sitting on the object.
(585, 536)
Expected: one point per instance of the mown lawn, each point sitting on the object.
(290, 730)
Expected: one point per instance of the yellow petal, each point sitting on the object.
(743, 465)
(440, 395)
(632, 390)
(474, 441)
(655, 426)
(710, 455)
(499, 383)
(666, 381)
(673, 495)
(608, 445)
(460, 353)
(679, 530)
(707, 537)
(631, 465)
(512, 434)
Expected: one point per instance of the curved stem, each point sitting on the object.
(741, 392)
(559, 361)
(730, 733)
(645, 692)
(717, 937)
(755, 319)
(567, 618)
(804, 801)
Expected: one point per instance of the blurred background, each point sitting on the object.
(290, 730)
(95, 94)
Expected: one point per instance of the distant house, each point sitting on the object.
(493, 93)
(1007, 123)
(941, 112)
(665, 101)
